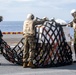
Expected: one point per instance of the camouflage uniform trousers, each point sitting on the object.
(29, 49)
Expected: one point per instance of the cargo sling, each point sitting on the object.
(51, 47)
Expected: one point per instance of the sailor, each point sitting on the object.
(73, 24)
(1, 18)
(29, 42)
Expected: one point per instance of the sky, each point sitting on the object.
(17, 10)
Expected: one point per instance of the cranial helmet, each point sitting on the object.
(30, 16)
(72, 11)
(45, 18)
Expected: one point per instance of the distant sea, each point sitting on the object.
(11, 26)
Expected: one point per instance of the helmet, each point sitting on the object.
(30, 16)
(72, 11)
(45, 18)
(1, 18)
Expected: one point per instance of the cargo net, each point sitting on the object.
(51, 47)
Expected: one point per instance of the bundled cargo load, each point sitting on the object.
(51, 47)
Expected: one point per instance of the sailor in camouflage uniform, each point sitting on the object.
(73, 24)
(1, 18)
(29, 43)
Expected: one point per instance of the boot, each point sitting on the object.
(24, 65)
(30, 64)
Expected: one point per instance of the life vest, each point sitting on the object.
(29, 28)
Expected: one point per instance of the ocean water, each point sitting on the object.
(11, 26)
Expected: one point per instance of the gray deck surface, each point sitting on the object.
(7, 68)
